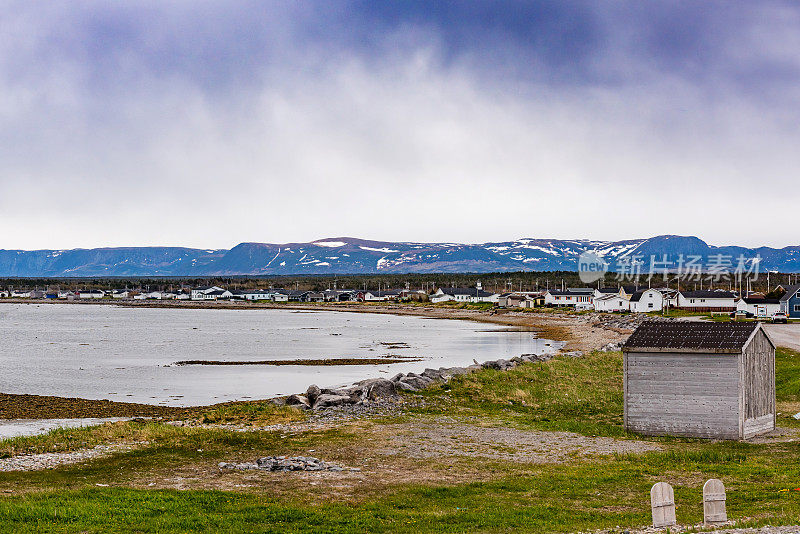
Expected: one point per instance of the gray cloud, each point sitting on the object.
(206, 126)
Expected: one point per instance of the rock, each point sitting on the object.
(433, 374)
(380, 389)
(326, 400)
(312, 393)
(299, 401)
(454, 371)
(405, 386)
(416, 382)
(397, 377)
(282, 463)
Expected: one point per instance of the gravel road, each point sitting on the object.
(785, 335)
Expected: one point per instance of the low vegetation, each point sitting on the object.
(398, 494)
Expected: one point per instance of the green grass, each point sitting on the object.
(787, 375)
(581, 395)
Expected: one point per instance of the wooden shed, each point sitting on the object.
(708, 380)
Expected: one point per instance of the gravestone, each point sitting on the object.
(662, 501)
(714, 502)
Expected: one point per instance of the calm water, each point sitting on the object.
(125, 354)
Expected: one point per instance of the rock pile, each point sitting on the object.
(377, 390)
(624, 323)
(284, 464)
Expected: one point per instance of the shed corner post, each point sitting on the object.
(625, 390)
(740, 386)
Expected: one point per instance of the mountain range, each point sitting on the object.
(346, 255)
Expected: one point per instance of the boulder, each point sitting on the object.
(327, 400)
(433, 374)
(405, 386)
(454, 371)
(380, 389)
(312, 393)
(299, 401)
(416, 382)
(397, 377)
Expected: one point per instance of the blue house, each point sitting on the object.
(790, 302)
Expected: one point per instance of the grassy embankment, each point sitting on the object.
(579, 395)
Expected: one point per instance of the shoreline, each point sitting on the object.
(575, 331)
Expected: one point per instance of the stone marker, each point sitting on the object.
(714, 502)
(662, 500)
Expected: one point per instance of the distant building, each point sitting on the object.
(464, 294)
(91, 294)
(204, 292)
(647, 300)
(375, 295)
(761, 308)
(790, 301)
(611, 303)
(707, 301)
(570, 298)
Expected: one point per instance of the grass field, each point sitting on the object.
(579, 395)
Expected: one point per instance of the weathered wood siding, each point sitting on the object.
(694, 395)
(758, 386)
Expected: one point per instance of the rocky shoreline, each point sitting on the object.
(376, 390)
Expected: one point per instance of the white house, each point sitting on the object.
(20, 293)
(721, 301)
(611, 303)
(253, 294)
(567, 298)
(4, 294)
(91, 294)
(203, 293)
(381, 295)
(647, 300)
(605, 291)
(279, 296)
(464, 294)
(759, 307)
(120, 294)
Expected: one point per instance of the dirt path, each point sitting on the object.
(785, 335)
(446, 437)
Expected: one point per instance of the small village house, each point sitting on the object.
(464, 294)
(705, 380)
(647, 300)
(91, 294)
(759, 307)
(204, 292)
(381, 296)
(707, 301)
(605, 291)
(790, 301)
(569, 297)
(611, 303)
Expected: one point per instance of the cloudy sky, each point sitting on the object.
(211, 123)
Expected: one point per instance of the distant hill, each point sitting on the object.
(347, 255)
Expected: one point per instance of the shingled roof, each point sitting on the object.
(682, 336)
